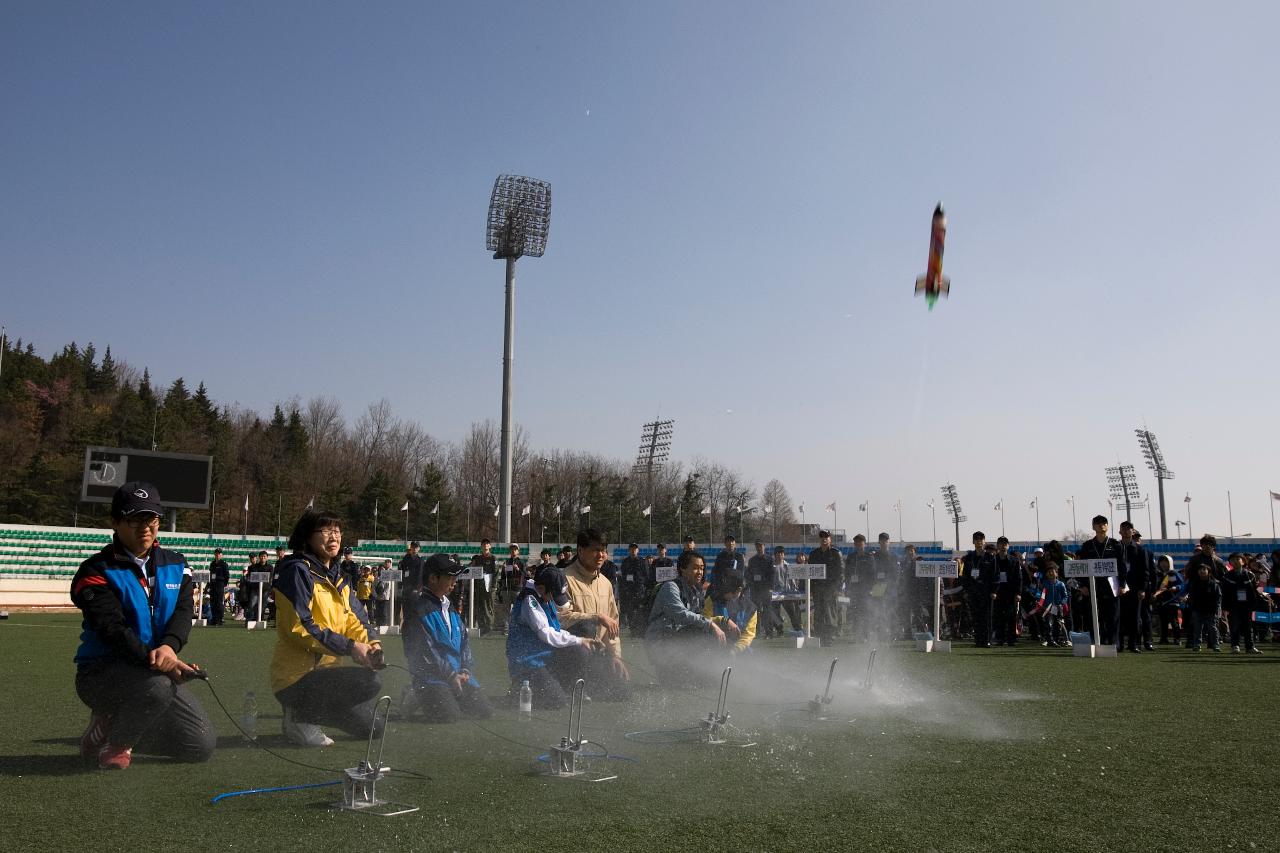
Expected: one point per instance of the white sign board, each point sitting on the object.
(1090, 568)
(937, 569)
(259, 577)
(807, 571)
(664, 573)
(393, 575)
(200, 576)
(472, 573)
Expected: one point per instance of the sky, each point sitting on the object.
(288, 200)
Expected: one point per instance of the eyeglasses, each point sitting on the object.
(144, 521)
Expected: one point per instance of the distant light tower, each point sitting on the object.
(952, 502)
(1155, 461)
(519, 216)
(933, 509)
(1123, 484)
(655, 449)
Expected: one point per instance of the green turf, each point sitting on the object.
(1011, 749)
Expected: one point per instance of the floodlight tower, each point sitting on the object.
(952, 502)
(1155, 461)
(519, 216)
(655, 449)
(1124, 489)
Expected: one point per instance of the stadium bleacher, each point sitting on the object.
(37, 563)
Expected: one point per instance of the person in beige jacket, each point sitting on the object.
(593, 612)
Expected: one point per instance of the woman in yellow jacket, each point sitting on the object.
(318, 623)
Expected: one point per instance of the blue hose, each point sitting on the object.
(231, 794)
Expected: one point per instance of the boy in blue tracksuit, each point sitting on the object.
(538, 650)
(437, 651)
(137, 606)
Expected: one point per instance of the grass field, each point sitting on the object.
(1011, 749)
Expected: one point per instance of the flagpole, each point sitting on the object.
(1036, 503)
(1272, 495)
(246, 516)
(375, 519)
(1002, 533)
(406, 522)
(437, 524)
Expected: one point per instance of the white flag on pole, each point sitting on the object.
(647, 510)
(246, 503)
(586, 509)
(557, 509)
(311, 504)
(998, 506)
(861, 507)
(526, 510)
(495, 511)
(1275, 496)
(405, 508)
(706, 510)
(435, 509)
(831, 507)
(1033, 505)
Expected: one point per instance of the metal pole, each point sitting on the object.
(1037, 503)
(1231, 522)
(508, 358)
(933, 509)
(957, 533)
(1164, 531)
(173, 520)
(406, 525)
(1272, 502)
(1190, 529)
(1150, 526)
(1002, 533)
(213, 508)
(1075, 525)
(1093, 604)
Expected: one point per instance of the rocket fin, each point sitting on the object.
(944, 285)
(920, 285)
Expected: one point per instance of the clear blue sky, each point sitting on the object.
(288, 199)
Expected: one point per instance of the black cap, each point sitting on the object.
(135, 499)
(346, 550)
(440, 564)
(883, 536)
(824, 534)
(554, 582)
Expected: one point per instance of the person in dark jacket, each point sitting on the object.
(1240, 599)
(825, 617)
(728, 560)
(1204, 602)
(1006, 596)
(859, 578)
(978, 579)
(219, 578)
(483, 589)
(1133, 590)
(137, 605)
(633, 584)
(438, 653)
(759, 579)
(351, 569)
(1103, 547)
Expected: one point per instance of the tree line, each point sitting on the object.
(308, 452)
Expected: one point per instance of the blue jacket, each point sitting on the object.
(435, 643)
(128, 612)
(525, 650)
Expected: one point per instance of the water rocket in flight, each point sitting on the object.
(933, 283)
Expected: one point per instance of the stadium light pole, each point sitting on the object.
(1124, 490)
(1155, 461)
(1075, 525)
(952, 501)
(1190, 529)
(933, 510)
(519, 216)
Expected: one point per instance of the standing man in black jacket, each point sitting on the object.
(219, 577)
(1103, 547)
(1006, 597)
(760, 586)
(1133, 589)
(978, 579)
(633, 584)
(825, 591)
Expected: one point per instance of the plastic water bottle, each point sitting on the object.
(249, 715)
(526, 700)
